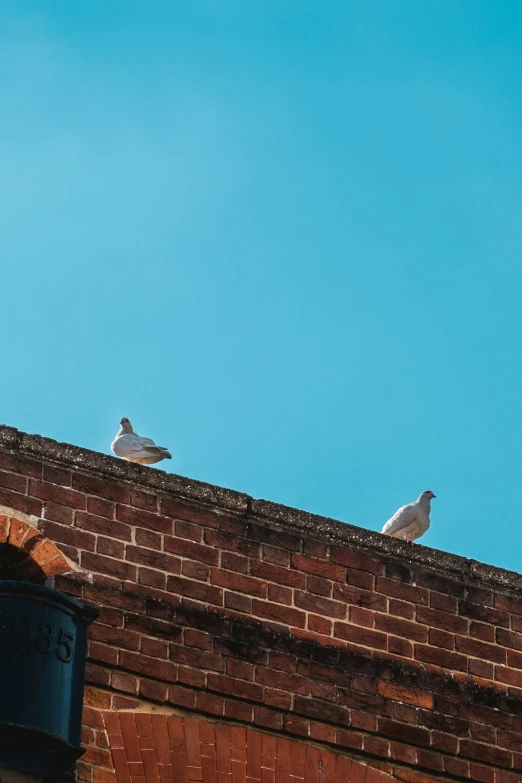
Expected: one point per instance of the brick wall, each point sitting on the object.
(403, 660)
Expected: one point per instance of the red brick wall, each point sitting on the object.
(397, 664)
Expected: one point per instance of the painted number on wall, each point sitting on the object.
(23, 633)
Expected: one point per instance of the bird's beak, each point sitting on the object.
(433, 496)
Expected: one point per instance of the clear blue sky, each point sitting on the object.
(283, 238)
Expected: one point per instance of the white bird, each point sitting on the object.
(130, 446)
(411, 521)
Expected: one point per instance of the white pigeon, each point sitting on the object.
(130, 446)
(411, 521)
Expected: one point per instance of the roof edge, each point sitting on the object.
(279, 516)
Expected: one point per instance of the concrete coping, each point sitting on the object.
(276, 515)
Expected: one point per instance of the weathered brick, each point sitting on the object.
(319, 586)
(279, 613)
(399, 646)
(361, 616)
(239, 688)
(395, 589)
(278, 538)
(240, 603)
(198, 590)
(65, 534)
(508, 603)
(440, 638)
(282, 576)
(62, 495)
(238, 582)
(180, 510)
(181, 696)
(321, 710)
(185, 548)
(151, 578)
(240, 669)
(354, 633)
(358, 597)
(509, 639)
(195, 570)
(319, 605)
(127, 683)
(440, 584)
(360, 579)
(485, 613)
(444, 603)
(282, 680)
(377, 747)
(13, 481)
(119, 637)
(407, 695)
(101, 507)
(481, 669)
(275, 555)
(154, 647)
(141, 518)
(150, 667)
(509, 676)
(20, 502)
(315, 549)
(404, 573)
(16, 463)
(280, 595)
(148, 539)
(105, 488)
(401, 609)
(442, 620)
(319, 625)
(485, 633)
(440, 657)
(405, 732)
(489, 652)
(56, 513)
(318, 567)
(398, 627)
(108, 565)
(153, 559)
(107, 527)
(486, 753)
(110, 547)
(353, 559)
(220, 540)
(103, 653)
(56, 475)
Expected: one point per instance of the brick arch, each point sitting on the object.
(33, 555)
(153, 748)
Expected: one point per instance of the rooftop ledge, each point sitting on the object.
(263, 511)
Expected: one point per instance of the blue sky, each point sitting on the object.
(283, 237)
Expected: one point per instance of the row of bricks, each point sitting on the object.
(355, 716)
(430, 625)
(454, 651)
(96, 700)
(341, 705)
(150, 626)
(197, 653)
(285, 584)
(471, 618)
(71, 490)
(394, 740)
(132, 637)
